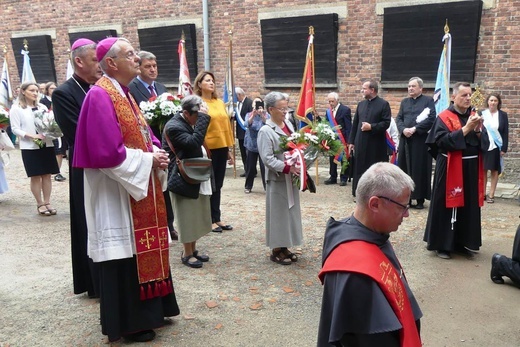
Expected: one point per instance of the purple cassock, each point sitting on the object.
(99, 143)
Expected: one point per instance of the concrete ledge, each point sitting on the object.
(304, 10)
(382, 4)
(29, 33)
(117, 27)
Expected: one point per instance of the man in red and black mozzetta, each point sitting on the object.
(366, 299)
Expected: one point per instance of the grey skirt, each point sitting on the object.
(192, 217)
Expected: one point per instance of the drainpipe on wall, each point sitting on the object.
(205, 25)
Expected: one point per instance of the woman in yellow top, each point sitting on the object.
(219, 139)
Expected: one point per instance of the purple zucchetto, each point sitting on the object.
(104, 46)
(80, 43)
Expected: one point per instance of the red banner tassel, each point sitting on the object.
(156, 292)
(142, 296)
(149, 293)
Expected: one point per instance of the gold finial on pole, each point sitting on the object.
(478, 99)
(311, 30)
(25, 44)
(5, 49)
(446, 27)
(183, 37)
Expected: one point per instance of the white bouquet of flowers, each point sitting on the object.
(158, 110)
(46, 125)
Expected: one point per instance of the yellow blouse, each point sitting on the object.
(220, 133)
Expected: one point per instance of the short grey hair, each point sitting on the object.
(272, 98)
(418, 79)
(240, 91)
(81, 52)
(112, 53)
(333, 95)
(191, 103)
(286, 96)
(382, 179)
(146, 55)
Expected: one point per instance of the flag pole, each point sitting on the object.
(231, 91)
(311, 32)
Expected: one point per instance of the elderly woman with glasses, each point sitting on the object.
(283, 214)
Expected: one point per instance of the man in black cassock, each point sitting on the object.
(368, 135)
(453, 223)
(414, 120)
(67, 100)
(357, 309)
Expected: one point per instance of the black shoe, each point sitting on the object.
(331, 181)
(59, 178)
(225, 227)
(202, 257)
(443, 254)
(217, 230)
(343, 183)
(193, 264)
(142, 336)
(174, 234)
(419, 206)
(243, 175)
(495, 273)
(465, 252)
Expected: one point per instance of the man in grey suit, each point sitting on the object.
(142, 88)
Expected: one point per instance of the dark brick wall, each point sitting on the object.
(359, 51)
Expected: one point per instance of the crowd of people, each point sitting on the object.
(125, 207)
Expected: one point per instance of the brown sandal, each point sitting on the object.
(288, 254)
(52, 211)
(279, 257)
(490, 200)
(43, 213)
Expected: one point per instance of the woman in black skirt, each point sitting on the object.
(39, 163)
(497, 129)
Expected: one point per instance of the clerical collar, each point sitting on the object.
(455, 110)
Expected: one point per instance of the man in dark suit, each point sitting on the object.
(67, 100)
(244, 106)
(342, 117)
(142, 88)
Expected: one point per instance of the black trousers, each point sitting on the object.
(333, 170)
(510, 267)
(243, 153)
(252, 159)
(219, 157)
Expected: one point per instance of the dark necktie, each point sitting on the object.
(152, 90)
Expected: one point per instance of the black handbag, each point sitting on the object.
(178, 185)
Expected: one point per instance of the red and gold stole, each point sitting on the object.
(149, 214)
(454, 174)
(366, 258)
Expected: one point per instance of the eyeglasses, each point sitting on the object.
(404, 207)
(130, 55)
(283, 110)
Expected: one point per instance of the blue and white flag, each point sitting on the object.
(27, 74)
(441, 96)
(6, 93)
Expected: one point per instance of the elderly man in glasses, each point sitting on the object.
(366, 298)
(124, 169)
